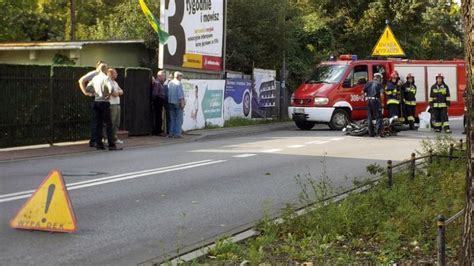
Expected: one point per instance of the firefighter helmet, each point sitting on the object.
(440, 75)
(394, 75)
(410, 75)
(378, 75)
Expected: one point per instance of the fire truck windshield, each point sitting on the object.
(327, 74)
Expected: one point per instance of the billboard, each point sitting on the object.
(237, 99)
(265, 96)
(204, 103)
(196, 29)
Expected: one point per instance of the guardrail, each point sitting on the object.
(413, 159)
(441, 221)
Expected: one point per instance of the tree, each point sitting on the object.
(467, 243)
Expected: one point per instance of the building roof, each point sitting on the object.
(11, 46)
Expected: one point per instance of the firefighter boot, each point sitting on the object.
(447, 129)
(412, 125)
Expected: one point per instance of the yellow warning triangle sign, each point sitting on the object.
(48, 209)
(388, 45)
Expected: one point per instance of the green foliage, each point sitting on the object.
(379, 226)
(259, 32)
(226, 250)
(60, 59)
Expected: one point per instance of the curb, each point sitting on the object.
(198, 135)
(213, 134)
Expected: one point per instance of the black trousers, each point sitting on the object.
(441, 117)
(393, 110)
(93, 139)
(158, 105)
(410, 111)
(102, 113)
(375, 113)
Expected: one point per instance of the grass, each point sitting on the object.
(239, 122)
(379, 226)
(242, 122)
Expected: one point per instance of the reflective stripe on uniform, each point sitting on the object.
(437, 124)
(445, 124)
(410, 102)
(393, 101)
(439, 105)
(411, 118)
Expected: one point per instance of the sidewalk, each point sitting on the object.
(27, 152)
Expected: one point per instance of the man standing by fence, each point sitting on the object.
(114, 103)
(176, 105)
(102, 108)
(87, 89)
(159, 96)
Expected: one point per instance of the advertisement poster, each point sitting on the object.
(196, 29)
(204, 103)
(237, 99)
(265, 96)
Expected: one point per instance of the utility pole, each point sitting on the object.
(73, 19)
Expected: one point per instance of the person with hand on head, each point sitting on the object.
(87, 89)
(103, 90)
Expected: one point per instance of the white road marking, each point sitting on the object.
(336, 139)
(245, 155)
(312, 142)
(115, 178)
(271, 150)
(295, 146)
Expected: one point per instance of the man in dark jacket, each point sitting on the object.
(373, 92)
(159, 99)
(440, 100)
(409, 100)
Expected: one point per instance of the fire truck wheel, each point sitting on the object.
(304, 125)
(339, 119)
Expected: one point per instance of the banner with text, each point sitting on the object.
(196, 29)
(237, 99)
(204, 103)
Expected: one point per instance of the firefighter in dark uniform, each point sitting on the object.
(409, 100)
(373, 92)
(440, 100)
(392, 92)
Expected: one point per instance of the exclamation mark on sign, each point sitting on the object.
(51, 189)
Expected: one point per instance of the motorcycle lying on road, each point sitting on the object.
(361, 128)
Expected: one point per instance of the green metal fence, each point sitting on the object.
(43, 104)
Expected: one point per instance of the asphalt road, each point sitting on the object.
(137, 204)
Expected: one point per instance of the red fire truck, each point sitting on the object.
(333, 94)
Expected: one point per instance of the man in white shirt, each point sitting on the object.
(114, 102)
(103, 91)
(87, 89)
